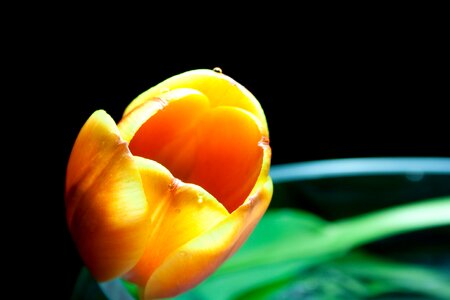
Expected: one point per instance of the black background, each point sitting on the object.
(332, 93)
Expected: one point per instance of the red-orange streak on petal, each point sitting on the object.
(216, 148)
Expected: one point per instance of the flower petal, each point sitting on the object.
(107, 211)
(218, 149)
(196, 260)
(186, 105)
(180, 212)
(228, 158)
(220, 89)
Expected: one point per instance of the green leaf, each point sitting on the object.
(320, 282)
(357, 276)
(131, 288)
(412, 278)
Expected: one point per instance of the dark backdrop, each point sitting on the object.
(330, 96)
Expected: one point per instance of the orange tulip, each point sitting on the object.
(164, 197)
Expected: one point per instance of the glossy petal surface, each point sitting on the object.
(174, 189)
(196, 260)
(217, 149)
(107, 211)
(220, 89)
(180, 212)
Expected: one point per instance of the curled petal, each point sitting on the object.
(107, 211)
(220, 89)
(194, 261)
(216, 148)
(228, 157)
(183, 104)
(181, 212)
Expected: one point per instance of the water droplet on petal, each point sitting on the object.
(217, 70)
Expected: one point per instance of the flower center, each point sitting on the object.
(216, 148)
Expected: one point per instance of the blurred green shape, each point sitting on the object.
(402, 277)
(357, 167)
(342, 188)
(86, 288)
(357, 276)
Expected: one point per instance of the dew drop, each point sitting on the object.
(200, 199)
(177, 210)
(217, 70)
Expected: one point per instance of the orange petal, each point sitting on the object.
(186, 105)
(166, 136)
(180, 212)
(107, 211)
(220, 89)
(218, 149)
(228, 158)
(194, 261)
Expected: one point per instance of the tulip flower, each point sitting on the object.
(166, 195)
